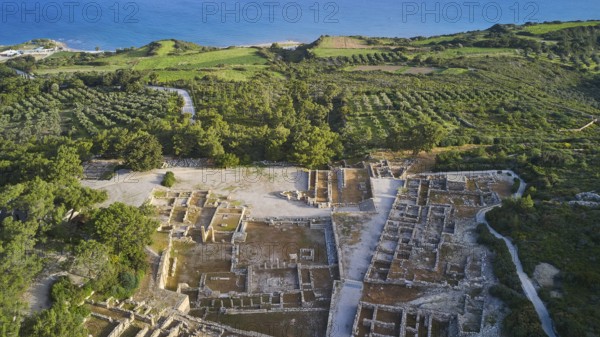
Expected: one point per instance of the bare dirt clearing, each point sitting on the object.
(253, 187)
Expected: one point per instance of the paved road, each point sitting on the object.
(526, 283)
(23, 74)
(188, 107)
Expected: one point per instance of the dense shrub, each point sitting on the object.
(168, 179)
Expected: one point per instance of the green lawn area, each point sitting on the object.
(550, 27)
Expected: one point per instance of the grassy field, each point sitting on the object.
(236, 64)
(454, 71)
(167, 46)
(471, 51)
(347, 46)
(403, 69)
(76, 68)
(228, 73)
(242, 56)
(240, 73)
(550, 27)
(342, 42)
(333, 46)
(332, 52)
(436, 39)
(387, 68)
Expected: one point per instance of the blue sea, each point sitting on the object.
(108, 25)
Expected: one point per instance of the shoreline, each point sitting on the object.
(285, 44)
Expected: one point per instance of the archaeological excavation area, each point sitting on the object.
(218, 270)
(428, 277)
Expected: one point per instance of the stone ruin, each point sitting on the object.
(385, 320)
(223, 218)
(300, 282)
(319, 189)
(587, 199)
(386, 169)
(276, 284)
(184, 211)
(297, 283)
(139, 319)
(426, 245)
(423, 245)
(338, 187)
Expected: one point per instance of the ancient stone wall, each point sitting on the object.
(163, 266)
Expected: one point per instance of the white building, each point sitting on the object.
(9, 53)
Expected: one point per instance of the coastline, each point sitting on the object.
(65, 47)
(286, 43)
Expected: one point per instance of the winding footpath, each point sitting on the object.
(23, 74)
(526, 283)
(188, 107)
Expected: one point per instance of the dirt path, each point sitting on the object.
(23, 74)
(345, 309)
(38, 294)
(357, 257)
(526, 283)
(188, 107)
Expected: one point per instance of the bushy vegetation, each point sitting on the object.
(39, 182)
(566, 237)
(65, 317)
(39, 185)
(522, 321)
(169, 179)
(142, 152)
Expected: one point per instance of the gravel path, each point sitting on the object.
(188, 107)
(358, 257)
(526, 283)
